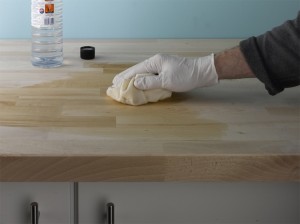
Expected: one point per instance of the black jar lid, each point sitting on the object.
(87, 52)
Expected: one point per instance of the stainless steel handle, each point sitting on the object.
(35, 214)
(110, 213)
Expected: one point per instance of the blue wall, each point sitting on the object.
(155, 18)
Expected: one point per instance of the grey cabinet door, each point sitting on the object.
(190, 203)
(54, 201)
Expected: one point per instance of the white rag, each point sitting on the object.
(127, 93)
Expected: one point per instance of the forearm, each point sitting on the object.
(231, 64)
(274, 56)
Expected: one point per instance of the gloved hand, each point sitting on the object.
(176, 74)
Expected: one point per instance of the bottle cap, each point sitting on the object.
(87, 52)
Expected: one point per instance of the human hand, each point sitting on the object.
(176, 74)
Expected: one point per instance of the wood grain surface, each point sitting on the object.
(59, 125)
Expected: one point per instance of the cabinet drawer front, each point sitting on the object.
(190, 203)
(54, 202)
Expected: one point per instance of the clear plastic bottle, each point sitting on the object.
(47, 33)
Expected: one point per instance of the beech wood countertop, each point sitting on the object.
(59, 125)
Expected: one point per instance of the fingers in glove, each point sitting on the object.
(151, 65)
(149, 82)
(129, 73)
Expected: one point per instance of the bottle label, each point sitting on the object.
(42, 13)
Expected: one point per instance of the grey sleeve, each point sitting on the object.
(274, 57)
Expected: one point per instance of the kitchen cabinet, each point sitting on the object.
(190, 203)
(54, 202)
(228, 153)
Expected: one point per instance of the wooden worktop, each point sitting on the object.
(59, 125)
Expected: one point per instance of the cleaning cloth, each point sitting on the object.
(127, 93)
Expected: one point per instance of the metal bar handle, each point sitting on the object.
(34, 213)
(110, 213)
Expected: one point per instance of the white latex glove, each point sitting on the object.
(176, 74)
